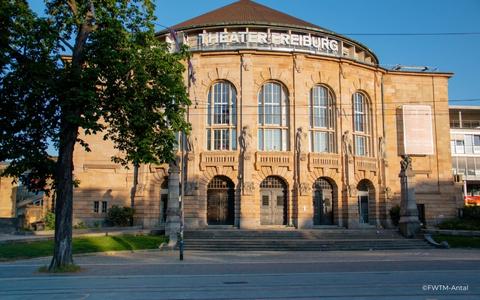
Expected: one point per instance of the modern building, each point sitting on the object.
(293, 125)
(465, 147)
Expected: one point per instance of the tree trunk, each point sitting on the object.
(133, 191)
(62, 253)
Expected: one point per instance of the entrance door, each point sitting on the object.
(322, 203)
(363, 207)
(273, 206)
(220, 201)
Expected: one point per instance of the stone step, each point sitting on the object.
(299, 240)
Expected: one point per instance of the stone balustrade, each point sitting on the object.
(323, 160)
(219, 159)
(274, 160)
(365, 163)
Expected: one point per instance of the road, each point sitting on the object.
(421, 274)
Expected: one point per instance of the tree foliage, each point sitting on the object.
(117, 80)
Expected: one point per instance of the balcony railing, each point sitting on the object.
(323, 160)
(219, 159)
(274, 160)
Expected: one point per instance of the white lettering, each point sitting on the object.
(275, 38)
(252, 37)
(307, 41)
(223, 37)
(262, 38)
(334, 45)
(323, 44)
(295, 40)
(284, 39)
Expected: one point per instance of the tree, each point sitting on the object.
(117, 80)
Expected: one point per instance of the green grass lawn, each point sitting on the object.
(17, 250)
(459, 241)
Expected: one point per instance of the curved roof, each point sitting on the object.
(246, 12)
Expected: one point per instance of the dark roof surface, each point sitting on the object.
(246, 12)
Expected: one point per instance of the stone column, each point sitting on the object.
(303, 189)
(350, 189)
(172, 226)
(249, 216)
(409, 224)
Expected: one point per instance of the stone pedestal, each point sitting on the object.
(172, 225)
(409, 224)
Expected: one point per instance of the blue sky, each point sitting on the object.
(457, 54)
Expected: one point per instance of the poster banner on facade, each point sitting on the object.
(417, 130)
(472, 200)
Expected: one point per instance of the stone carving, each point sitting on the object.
(246, 63)
(248, 188)
(300, 140)
(297, 64)
(352, 190)
(406, 163)
(191, 144)
(388, 193)
(347, 145)
(245, 140)
(381, 148)
(304, 188)
(191, 187)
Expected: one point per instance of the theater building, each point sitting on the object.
(293, 125)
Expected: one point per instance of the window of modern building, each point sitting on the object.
(272, 118)
(322, 120)
(222, 117)
(361, 125)
(104, 206)
(96, 206)
(465, 144)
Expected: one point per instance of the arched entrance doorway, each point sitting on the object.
(366, 202)
(273, 201)
(323, 199)
(220, 201)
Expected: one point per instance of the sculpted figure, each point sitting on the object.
(347, 144)
(381, 148)
(300, 139)
(245, 139)
(406, 163)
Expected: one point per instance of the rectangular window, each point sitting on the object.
(459, 146)
(461, 165)
(273, 139)
(360, 146)
(468, 143)
(234, 139)
(96, 206)
(471, 166)
(265, 200)
(104, 206)
(209, 139)
(320, 142)
(260, 139)
(476, 144)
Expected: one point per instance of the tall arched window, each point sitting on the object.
(222, 117)
(272, 118)
(361, 125)
(322, 120)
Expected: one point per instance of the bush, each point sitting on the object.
(460, 224)
(471, 212)
(49, 220)
(120, 216)
(395, 214)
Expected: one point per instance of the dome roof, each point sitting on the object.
(246, 12)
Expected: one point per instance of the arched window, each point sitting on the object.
(222, 117)
(322, 120)
(361, 125)
(272, 118)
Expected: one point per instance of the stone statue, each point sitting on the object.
(300, 139)
(245, 139)
(381, 148)
(347, 144)
(191, 143)
(406, 163)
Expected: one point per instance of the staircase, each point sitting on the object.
(299, 240)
